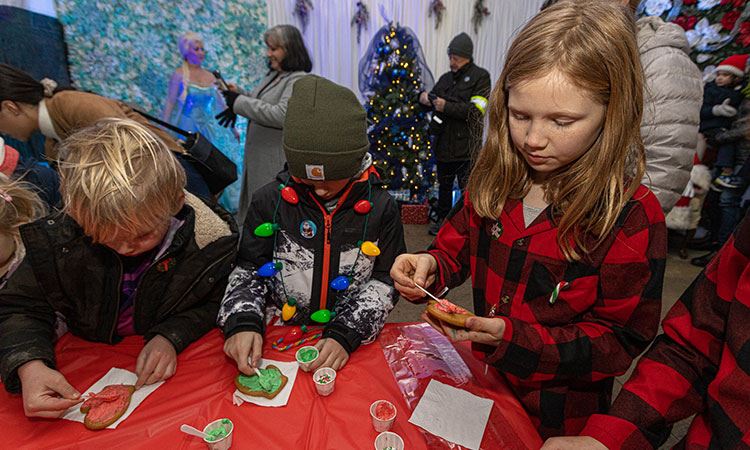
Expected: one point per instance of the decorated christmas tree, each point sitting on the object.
(391, 75)
(715, 28)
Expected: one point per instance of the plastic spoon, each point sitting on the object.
(185, 428)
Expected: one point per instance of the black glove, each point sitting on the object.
(230, 97)
(227, 118)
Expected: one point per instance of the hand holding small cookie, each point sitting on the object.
(410, 269)
(482, 330)
(46, 392)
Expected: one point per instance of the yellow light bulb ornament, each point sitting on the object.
(289, 309)
(370, 249)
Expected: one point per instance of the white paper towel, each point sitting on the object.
(453, 414)
(287, 368)
(114, 376)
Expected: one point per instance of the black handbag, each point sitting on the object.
(217, 170)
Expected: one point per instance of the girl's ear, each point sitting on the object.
(11, 106)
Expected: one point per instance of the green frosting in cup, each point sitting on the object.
(269, 380)
(307, 354)
(217, 433)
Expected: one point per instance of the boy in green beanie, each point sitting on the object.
(319, 241)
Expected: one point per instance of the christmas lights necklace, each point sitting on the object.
(341, 282)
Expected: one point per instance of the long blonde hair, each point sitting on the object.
(595, 48)
(19, 204)
(186, 40)
(118, 176)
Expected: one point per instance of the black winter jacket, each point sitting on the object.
(714, 95)
(64, 272)
(460, 135)
(314, 247)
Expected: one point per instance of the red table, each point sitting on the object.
(201, 391)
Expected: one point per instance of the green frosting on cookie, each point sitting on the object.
(269, 380)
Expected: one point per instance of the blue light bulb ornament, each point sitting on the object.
(341, 283)
(269, 269)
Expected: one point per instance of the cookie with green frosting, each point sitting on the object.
(268, 384)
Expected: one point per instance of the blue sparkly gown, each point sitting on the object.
(196, 113)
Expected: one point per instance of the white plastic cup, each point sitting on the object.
(305, 365)
(324, 388)
(223, 443)
(389, 441)
(382, 424)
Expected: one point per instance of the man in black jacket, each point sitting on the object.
(458, 101)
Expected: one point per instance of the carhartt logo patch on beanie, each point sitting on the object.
(735, 64)
(325, 130)
(461, 45)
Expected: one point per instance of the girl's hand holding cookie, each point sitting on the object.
(482, 330)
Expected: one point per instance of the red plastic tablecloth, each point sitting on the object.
(201, 391)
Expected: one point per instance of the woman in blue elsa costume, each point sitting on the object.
(193, 101)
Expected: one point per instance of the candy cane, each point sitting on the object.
(556, 292)
(276, 346)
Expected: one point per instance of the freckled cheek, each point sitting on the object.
(517, 135)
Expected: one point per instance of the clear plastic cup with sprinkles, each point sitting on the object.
(324, 379)
(389, 441)
(219, 434)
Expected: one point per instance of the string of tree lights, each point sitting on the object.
(394, 74)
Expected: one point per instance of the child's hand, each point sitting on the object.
(242, 346)
(482, 330)
(409, 269)
(573, 443)
(156, 362)
(46, 392)
(332, 355)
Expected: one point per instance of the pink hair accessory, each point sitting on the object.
(5, 196)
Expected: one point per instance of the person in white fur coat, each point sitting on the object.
(686, 213)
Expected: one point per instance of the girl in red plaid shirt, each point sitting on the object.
(564, 247)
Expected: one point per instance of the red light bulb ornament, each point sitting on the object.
(363, 207)
(289, 195)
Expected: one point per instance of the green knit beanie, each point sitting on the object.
(325, 131)
(461, 45)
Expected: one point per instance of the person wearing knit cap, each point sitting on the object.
(458, 102)
(319, 240)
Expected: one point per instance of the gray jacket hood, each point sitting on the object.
(654, 32)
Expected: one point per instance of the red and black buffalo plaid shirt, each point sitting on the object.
(700, 365)
(561, 357)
